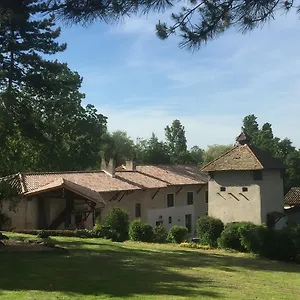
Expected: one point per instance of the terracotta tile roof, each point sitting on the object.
(144, 177)
(76, 188)
(175, 174)
(293, 196)
(141, 180)
(242, 158)
(95, 180)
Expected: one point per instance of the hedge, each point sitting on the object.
(139, 231)
(209, 230)
(177, 234)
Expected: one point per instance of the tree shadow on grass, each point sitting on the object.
(112, 271)
(116, 270)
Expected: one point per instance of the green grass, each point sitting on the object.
(100, 269)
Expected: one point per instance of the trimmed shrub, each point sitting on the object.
(177, 234)
(209, 229)
(250, 236)
(139, 231)
(278, 244)
(230, 237)
(160, 234)
(117, 221)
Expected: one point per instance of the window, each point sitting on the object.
(138, 210)
(170, 220)
(244, 189)
(206, 196)
(170, 200)
(190, 198)
(257, 175)
(188, 222)
(222, 188)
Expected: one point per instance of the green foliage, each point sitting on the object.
(139, 231)
(195, 246)
(177, 234)
(152, 151)
(281, 244)
(3, 237)
(230, 237)
(160, 234)
(283, 149)
(209, 230)
(5, 221)
(176, 141)
(214, 151)
(43, 234)
(119, 146)
(117, 220)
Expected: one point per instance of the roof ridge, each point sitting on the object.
(252, 153)
(214, 160)
(61, 172)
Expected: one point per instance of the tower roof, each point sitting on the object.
(244, 157)
(243, 138)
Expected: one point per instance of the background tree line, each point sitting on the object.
(44, 127)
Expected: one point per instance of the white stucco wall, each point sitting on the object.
(152, 209)
(263, 196)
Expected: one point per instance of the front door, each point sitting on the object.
(188, 222)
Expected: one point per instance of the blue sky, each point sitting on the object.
(142, 83)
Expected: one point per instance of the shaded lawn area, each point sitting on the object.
(100, 269)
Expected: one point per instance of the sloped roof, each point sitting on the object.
(69, 185)
(98, 181)
(293, 196)
(244, 158)
(175, 174)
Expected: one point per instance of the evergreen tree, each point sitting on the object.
(197, 22)
(176, 141)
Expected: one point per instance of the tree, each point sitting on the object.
(197, 22)
(283, 149)
(214, 151)
(196, 155)
(152, 151)
(176, 141)
(119, 146)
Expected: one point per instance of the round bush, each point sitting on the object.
(230, 237)
(209, 229)
(117, 221)
(177, 234)
(250, 236)
(278, 244)
(160, 234)
(138, 231)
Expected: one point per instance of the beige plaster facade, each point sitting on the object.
(236, 196)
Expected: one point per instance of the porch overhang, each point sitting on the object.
(73, 187)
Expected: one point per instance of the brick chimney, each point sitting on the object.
(110, 167)
(130, 165)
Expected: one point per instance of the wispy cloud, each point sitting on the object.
(142, 83)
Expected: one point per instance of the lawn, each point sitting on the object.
(100, 269)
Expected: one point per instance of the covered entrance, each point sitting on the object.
(63, 204)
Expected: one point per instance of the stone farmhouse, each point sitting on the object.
(244, 184)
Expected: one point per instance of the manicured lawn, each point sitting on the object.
(99, 269)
